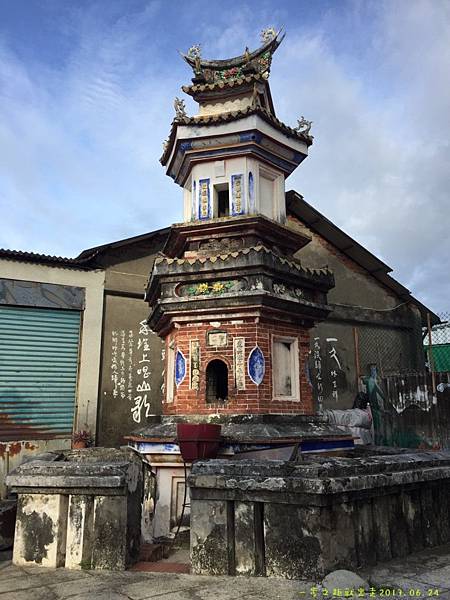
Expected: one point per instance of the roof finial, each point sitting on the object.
(304, 127)
(268, 34)
(180, 109)
(194, 51)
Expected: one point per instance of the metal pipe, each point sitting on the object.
(430, 355)
(357, 365)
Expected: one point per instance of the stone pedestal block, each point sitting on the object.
(41, 527)
(318, 515)
(210, 549)
(109, 544)
(81, 512)
(80, 526)
(249, 538)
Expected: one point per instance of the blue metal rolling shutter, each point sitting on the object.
(38, 372)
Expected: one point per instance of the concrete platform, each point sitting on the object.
(423, 575)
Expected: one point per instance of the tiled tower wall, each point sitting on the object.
(254, 398)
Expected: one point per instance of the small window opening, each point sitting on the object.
(285, 368)
(216, 381)
(223, 203)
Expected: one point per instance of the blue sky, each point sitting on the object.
(86, 98)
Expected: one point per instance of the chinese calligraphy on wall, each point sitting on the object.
(326, 369)
(131, 369)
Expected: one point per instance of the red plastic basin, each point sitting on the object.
(198, 440)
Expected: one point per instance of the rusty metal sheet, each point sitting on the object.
(46, 295)
(38, 372)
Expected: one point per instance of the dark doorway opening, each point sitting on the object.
(216, 381)
(223, 203)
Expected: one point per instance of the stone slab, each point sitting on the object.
(40, 534)
(109, 550)
(210, 551)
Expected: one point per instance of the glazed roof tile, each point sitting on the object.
(217, 119)
(324, 272)
(219, 85)
(224, 69)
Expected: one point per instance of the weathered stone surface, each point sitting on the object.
(245, 538)
(398, 527)
(98, 528)
(322, 513)
(342, 579)
(40, 530)
(292, 546)
(338, 540)
(365, 532)
(235, 428)
(413, 517)
(8, 509)
(80, 532)
(429, 524)
(442, 503)
(109, 536)
(210, 551)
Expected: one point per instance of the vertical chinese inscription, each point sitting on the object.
(332, 353)
(114, 363)
(194, 352)
(143, 373)
(237, 192)
(239, 362)
(130, 387)
(204, 204)
(122, 363)
(318, 370)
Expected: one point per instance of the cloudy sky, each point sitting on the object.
(86, 95)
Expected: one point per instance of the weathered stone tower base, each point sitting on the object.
(302, 521)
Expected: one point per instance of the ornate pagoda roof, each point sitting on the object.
(216, 71)
(218, 119)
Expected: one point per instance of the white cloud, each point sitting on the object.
(79, 143)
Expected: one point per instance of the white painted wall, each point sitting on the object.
(269, 186)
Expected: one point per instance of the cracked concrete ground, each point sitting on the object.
(425, 575)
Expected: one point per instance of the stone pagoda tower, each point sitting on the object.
(229, 295)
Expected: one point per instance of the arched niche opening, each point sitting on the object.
(216, 381)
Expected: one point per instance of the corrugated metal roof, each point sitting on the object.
(34, 257)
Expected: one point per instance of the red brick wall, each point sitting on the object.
(254, 399)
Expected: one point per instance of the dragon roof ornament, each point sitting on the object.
(258, 61)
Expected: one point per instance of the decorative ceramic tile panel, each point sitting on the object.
(204, 208)
(194, 202)
(195, 364)
(180, 367)
(256, 365)
(237, 195)
(239, 362)
(217, 338)
(251, 193)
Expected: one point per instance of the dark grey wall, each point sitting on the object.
(131, 373)
(369, 325)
